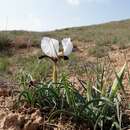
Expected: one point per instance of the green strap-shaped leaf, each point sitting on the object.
(117, 84)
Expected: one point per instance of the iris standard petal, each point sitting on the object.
(50, 47)
(67, 46)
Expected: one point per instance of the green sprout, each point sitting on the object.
(51, 49)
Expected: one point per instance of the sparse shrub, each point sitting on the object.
(115, 40)
(36, 42)
(22, 42)
(4, 63)
(6, 45)
(5, 42)
(99, 51)
(123, 44)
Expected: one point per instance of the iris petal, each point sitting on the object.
(67, 46)
(50, 47)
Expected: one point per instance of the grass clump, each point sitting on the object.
(39, 70)
(98, 106)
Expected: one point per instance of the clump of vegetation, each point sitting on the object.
(99, 105)
(99, 51)
(40, 70)
(5, 44)
(4, 64)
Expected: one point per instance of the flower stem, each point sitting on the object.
(55, 72)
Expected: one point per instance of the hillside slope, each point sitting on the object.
(100, 38)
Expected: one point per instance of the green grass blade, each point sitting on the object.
(117, 83)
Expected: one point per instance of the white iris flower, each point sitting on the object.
(51, 48)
